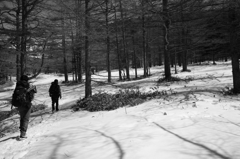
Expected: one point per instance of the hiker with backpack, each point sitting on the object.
(55, 94)
(22, 97)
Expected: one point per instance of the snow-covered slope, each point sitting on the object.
(195, 122)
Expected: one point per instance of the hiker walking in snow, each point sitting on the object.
(22, 97)
(55, 94)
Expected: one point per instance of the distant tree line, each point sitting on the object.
(78, 36)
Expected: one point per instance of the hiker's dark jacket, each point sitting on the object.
(54, 90)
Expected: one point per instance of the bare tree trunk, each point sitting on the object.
(149, 55)
(234, 45)
(75, 44)
(18, 70)
(108, 42)
(73, 54)
(74, 61)
(88, 88)
(24, 8)
(167, 69)
(124, 42)
(117, 44)
(23, 38)
(76, 67)
(79, 62)
(27, 8)
(172, 59)
(175, 61)
(64, 49)
(184, 42)
(144, 41)
(79, 43)
(184, 51)
(134, 53)
(159, 57)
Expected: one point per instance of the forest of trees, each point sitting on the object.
(76, 36)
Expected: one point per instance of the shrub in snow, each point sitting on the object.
(102, 101)
(176, 79)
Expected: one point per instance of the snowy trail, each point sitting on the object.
(195, 122)
(144, 132)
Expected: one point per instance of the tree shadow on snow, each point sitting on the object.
(10, 138)
(231, 122)
(56, 148)
(211, 151)
(60, 142)
(117, 144)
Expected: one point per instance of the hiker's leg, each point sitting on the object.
(21, 113)
(57, 104)
(53, 103)
(24, 119)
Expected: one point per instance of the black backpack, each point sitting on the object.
(19, 96)
(54, 89)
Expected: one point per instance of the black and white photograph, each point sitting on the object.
(119, 79)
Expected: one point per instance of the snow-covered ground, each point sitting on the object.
(195, 121)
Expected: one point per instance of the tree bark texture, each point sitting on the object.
(64, 49)
(117, 45)
(88, 88)
(125, 52)
(144, 50)
(18, 42)
(167, 69)
(23, 38)
(108, 42)
(234, 45)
